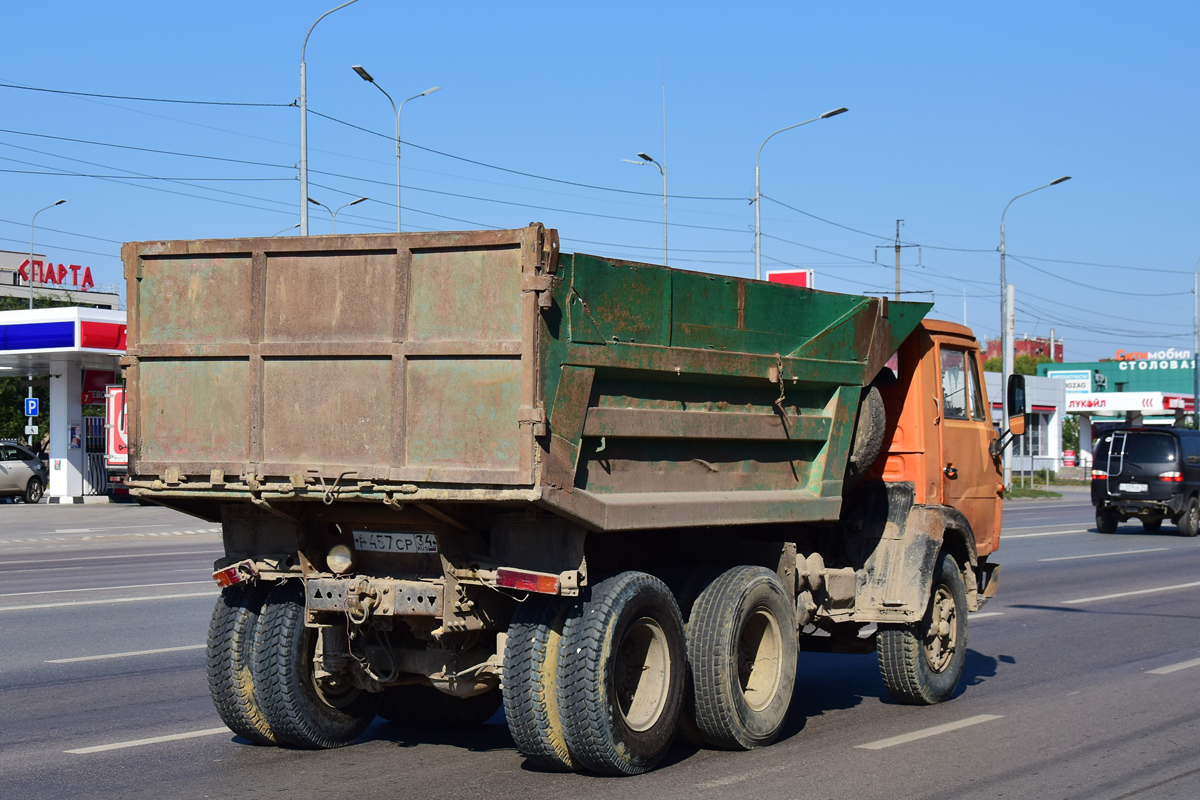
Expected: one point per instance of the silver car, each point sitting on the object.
(21, 473)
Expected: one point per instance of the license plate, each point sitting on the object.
(1134, 487)
(416, 542)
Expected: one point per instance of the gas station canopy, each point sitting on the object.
(62, 343)
(89, 337)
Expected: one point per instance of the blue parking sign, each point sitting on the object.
(31, 406)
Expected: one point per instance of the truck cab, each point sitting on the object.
(940, 431)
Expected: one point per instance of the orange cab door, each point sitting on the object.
(969, 473)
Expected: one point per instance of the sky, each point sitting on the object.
(954, 109)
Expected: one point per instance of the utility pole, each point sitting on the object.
(898, 247)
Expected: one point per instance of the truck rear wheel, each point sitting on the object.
(301, 711)
(622, 674)
(230, 651)
(1106, 520)
(531, 705)
(425, 705)
(742, 647)
(921, 663)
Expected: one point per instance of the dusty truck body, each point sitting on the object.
(455, 470)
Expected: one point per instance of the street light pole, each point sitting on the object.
(34, 219)
(1007, 316)
(645, 159)
(29, 437)
(366, 76)
(758, 194)
(304, 123)
(334, 212)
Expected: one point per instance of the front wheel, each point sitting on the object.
(302, 711)
(621, 674)
(921, 663)
(33, 490)
(1106, 520)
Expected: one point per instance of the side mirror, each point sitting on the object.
(1017, 416)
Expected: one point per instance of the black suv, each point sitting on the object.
(1150, 474)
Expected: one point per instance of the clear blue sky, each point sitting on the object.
(954, 109)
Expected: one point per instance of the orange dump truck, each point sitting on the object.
(459, 471)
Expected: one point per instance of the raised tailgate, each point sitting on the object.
(394, 357)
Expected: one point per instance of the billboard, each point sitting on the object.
(1078, 380)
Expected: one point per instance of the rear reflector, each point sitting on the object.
(235, 573)
(527, 581)
(1099, 474)
(1171, 477)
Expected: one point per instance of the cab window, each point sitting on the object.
(954, 384)
(978, 412)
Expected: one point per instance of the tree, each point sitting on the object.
(1023, 365)
(1070, 433)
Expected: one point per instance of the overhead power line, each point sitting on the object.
(147, 99)
(517, 171)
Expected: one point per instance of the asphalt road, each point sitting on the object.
(1081, 682)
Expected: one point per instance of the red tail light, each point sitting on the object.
(1099, 474)
(524, 581)
(1171, 477)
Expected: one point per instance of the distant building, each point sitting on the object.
(1026, 346)
(67, 283)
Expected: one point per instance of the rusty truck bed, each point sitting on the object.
(484, 366)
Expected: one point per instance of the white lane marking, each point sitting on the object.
(174, 737)
(105, 602)
(123, 655)
(744, 776)
(1195, 662)
(1040, 527)
(1131, 594)
(925, 733)
(982, 614)
(1101, 555)
(1032, 535)
(105, 558)
(97, 530)
(93, 537)
(104, 588)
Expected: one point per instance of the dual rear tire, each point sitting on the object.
(261, 677)
(600, 683)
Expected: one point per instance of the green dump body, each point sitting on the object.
(485, 367)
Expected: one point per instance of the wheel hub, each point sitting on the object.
(642, 674)
(942, 637)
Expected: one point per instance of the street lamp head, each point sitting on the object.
(644, 157)
(431, 91)
(356, 202)
(362, 73)
(1060, 180)
(834, 113)
(314, 202)
(60, 202)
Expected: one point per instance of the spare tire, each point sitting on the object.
(867, 443)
